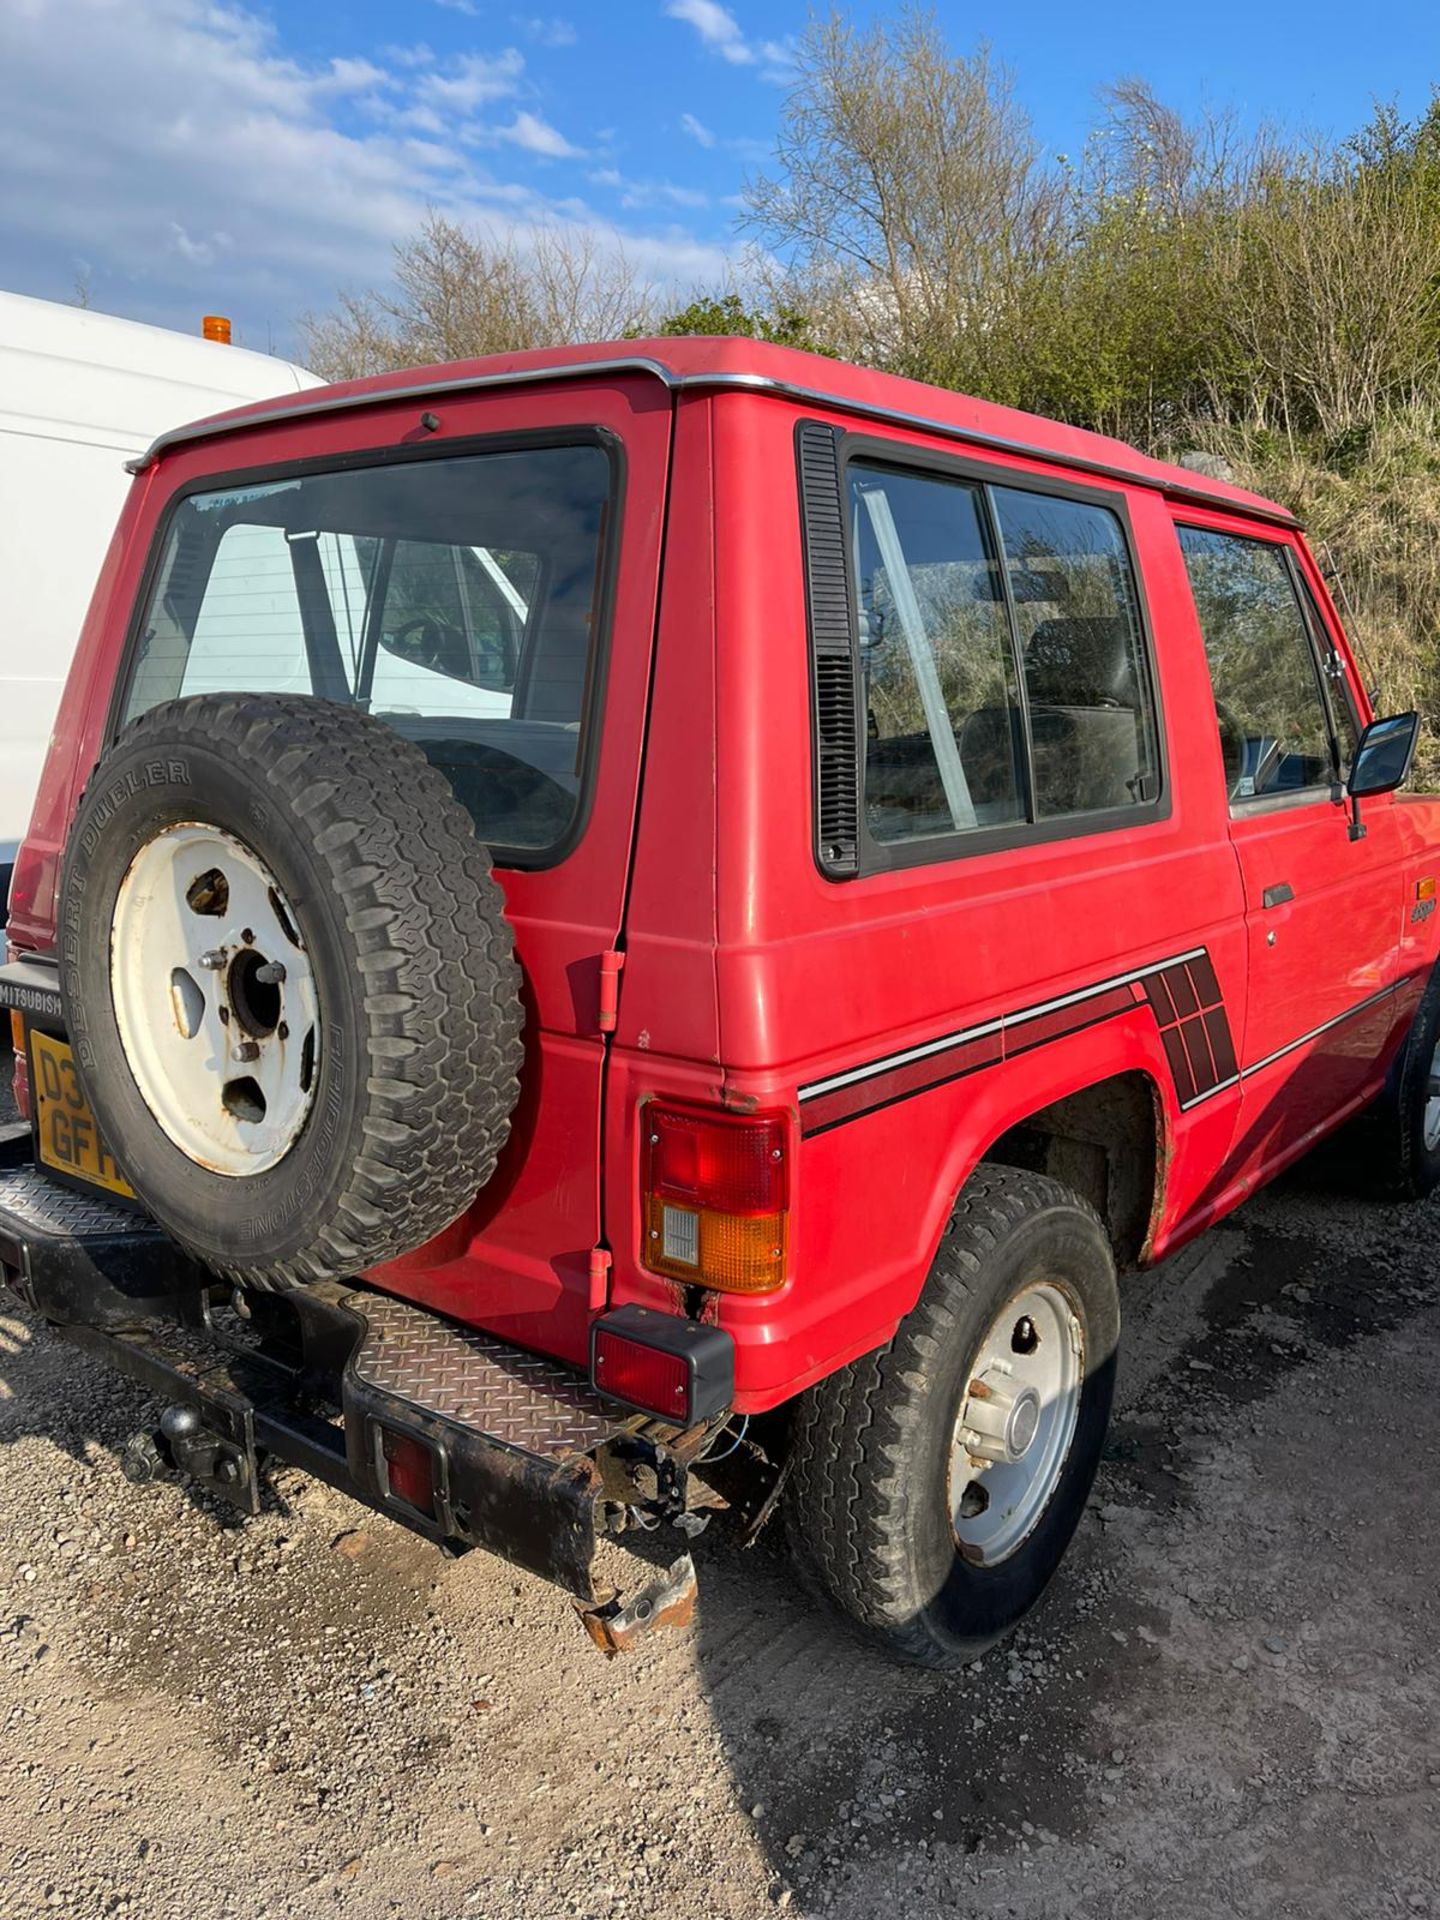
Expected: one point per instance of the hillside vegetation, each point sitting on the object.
(1186, 285)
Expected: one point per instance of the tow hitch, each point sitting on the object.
(460, 1437)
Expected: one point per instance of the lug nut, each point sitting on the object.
(247, 1050)
(272, 974)
(213, 960)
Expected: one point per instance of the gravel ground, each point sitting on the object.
(1229, 1702)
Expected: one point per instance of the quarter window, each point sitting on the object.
(1003, 676)
(1092, 723)
(942, 748)
(1275, 728)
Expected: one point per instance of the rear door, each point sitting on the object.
(488, 589)
(1322, 907)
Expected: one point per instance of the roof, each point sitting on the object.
(72, 357)
(719, 363)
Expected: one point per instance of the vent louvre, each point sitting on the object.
(832, 651)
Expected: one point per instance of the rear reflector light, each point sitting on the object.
(409, 1470)
(642, 1377)
(716, 1197)
(681, 1370)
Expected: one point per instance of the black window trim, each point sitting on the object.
(964, 844)
(1332, 791)
(524, 859)
(1337, 687)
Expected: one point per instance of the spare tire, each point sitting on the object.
(289, 985)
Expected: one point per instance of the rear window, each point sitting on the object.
(458, 599)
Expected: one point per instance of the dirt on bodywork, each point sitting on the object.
(1229, 1702)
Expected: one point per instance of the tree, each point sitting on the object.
(783, 324)
(908, 192)
(462, 293)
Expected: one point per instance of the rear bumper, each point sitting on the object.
(524, 1458)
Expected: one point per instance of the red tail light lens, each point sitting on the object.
(682, 1370)
(409, 1470)
(716, 1197)
(641, 1376)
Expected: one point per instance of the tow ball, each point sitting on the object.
(184, 1445)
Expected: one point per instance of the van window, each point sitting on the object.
(1001, 656)
(1275, 731)
(457, 599)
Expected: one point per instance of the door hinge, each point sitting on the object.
(600, 1264)
(611, 963)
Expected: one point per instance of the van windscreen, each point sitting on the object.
(456, 598)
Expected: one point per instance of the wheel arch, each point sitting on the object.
(1108, 1141)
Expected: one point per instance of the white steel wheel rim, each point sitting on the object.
(1431, 1122)
(214, 999)
(1016, 1423)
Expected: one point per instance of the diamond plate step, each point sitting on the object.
(519, 1399)
(77, 1257)
(39, 1205)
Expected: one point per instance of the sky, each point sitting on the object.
(178, 157)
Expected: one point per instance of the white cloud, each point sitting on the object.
(196, 166)
(699, 133)
(546, 33)
(199, 253)
(636, 195)
(535, 135)
(460, 6)
(472, 80)
(716, 26)
(721, 32)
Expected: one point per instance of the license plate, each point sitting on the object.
(66, 1136)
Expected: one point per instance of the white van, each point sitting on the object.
(80, 394)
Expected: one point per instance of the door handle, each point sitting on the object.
(1278, 895)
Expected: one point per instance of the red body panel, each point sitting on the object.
(906, 1018)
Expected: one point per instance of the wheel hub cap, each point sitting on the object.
(1015, 1425)
(1000, 1419)
(215, 999)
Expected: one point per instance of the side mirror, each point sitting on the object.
(1382, 762)
(1382, 759)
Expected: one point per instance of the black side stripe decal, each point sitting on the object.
(1183, 995)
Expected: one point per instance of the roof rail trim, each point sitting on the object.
(993, 442)
(314, 400)
(303, 404)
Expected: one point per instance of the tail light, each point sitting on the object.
(716, 1197)
(682, 1370)
(408, 1469)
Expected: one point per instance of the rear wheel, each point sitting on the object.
(937, 1482)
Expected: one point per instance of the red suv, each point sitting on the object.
(600, 911)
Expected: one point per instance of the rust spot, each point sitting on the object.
(668, 1601)
(979, 1391)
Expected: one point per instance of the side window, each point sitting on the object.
(1275, 732)
(942, 748)
(1002, 670)
(1092, 719)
